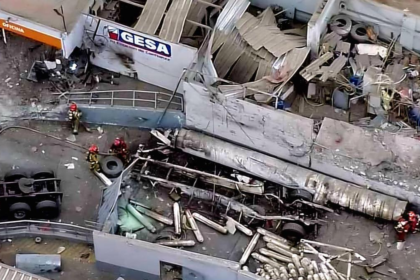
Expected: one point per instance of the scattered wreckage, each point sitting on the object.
(230, 197)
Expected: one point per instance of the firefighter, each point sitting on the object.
(413, 221)
(74, 117)
(119, 147)
(92, 158)
(402, 228)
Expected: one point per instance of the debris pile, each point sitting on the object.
(68, 74)
(262, 53)
(355, 68)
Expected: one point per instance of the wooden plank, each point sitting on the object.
(151, 16)
(174, 21)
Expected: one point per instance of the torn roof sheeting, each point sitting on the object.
(251, 48)
(174, 21)
(233, 11)
(151, 16)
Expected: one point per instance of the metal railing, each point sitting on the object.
(31, 228)
(132, 98)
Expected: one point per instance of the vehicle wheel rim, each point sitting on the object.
(20, 214)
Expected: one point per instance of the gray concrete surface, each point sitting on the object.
(81, 188)
(353, 231)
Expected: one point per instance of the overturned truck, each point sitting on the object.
(323, 188)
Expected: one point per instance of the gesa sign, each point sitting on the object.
(139, 42)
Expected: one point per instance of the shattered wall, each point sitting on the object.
(121, 49)
(275, 132)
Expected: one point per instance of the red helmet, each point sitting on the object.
(117, 142)
(93, 149)
(73, 107)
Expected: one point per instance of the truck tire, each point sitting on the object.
(111, 166)
(301, 194)
(47, 209)
(42, 174)
(15, 175)
(293, 231)
(20, 211)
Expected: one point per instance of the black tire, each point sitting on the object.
(47, 209)
(293, 231)
(301, 194)
(111, 166)
(359, 33)
(15, 174)
(256, 222)
(20, 211)
(42, 174)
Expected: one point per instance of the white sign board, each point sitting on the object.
(123, 50)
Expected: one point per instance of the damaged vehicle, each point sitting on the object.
(26, 194)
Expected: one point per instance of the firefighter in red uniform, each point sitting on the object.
(92, 158)
(119, 147)
(413, 221)
(402, 228)
(74, 117)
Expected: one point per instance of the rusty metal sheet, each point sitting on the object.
(244, 68)
(229, 53)
(174, 21)
(151, 16)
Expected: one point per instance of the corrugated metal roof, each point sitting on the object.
(244, 68)
(11, 273)
(197, 13)
(151, 16)
(246, 23)
(174, 21)
(267, 17)
(230, 52)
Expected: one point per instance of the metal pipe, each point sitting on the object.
(156, 216)
(191, 220)
(177, 218)
(194, 226)
(263, 259)
(281, 245)
(274, 255)
(296, 261)
(325, 189)
(177, 243)
(141, 218)
(210, 223)
(279, 250)
(305, 241)
(240, 226)
(273, 236)
(249, 248)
